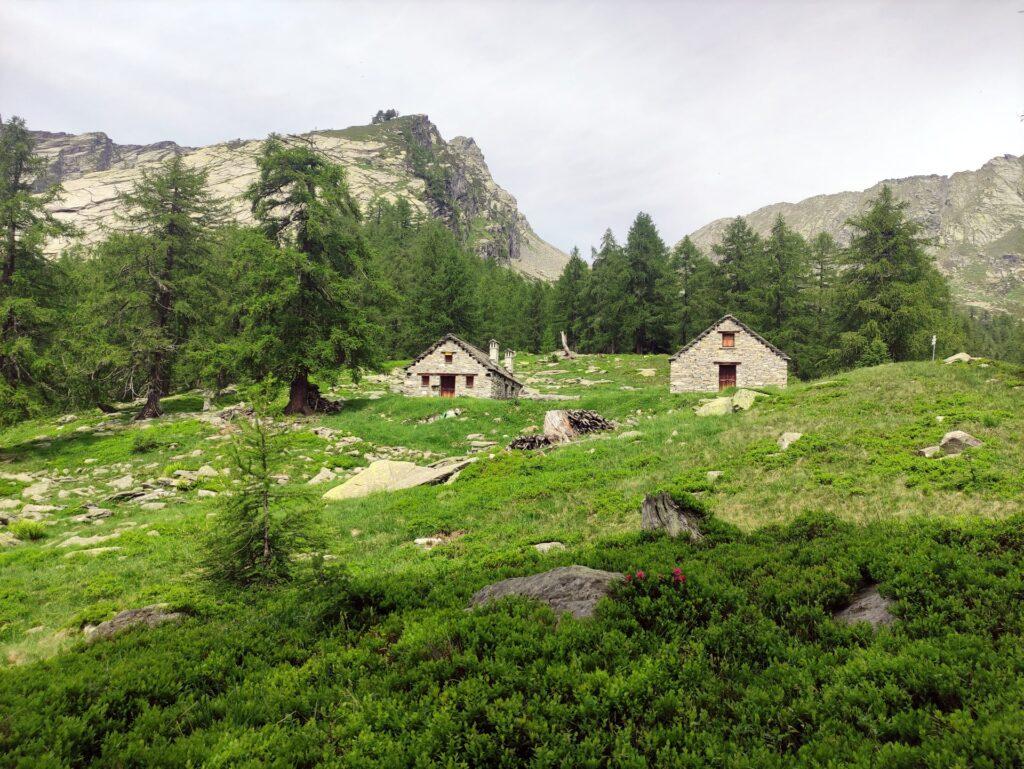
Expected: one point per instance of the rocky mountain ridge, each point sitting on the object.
(976, 219)
(404, 157)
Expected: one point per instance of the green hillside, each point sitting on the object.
(369, 658)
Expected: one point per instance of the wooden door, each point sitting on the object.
(726, 375)
(447, 385)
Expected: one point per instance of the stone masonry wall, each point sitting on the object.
(696, 370)
(485, 384)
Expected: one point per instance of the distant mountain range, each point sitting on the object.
(975, 217)
(403, 157)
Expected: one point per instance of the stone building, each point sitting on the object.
(451, 367)
(727, 354)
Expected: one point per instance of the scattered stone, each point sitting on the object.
(573, 589)
(9, 504)
(648, 372)
(153, 533)
(429, 543)
(960, 357)
(94, 540)
(325, 475)
(956, 441)
(928, 451)
(124, 483)
(92, 515)
(715, 407)
(475, 437)
(37, 490)
(449, 414)
(8, 540)
(206, 471)
(867, 605)
(547, 547)
(150, 616)
(660, 512)
(389, 475)
(206, 494)
(629, 435)
(744, 399)
(93, 551)
(153, 505)
(714, 475)
(37, 510)
(66, 419)
(788, 439)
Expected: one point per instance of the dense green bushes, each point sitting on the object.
(737, 665)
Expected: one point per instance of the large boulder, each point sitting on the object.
(715, 407)
(390, 475)
(744, 399)
(573, 589)
(867, 605)
(660, 512)
(956, 441)
(150, 616)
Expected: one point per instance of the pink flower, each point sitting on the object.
(677, 576)
(640, 575)
(629, 578)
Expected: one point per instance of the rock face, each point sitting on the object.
(573, 589)
(976, 217)
(389, 475)
(956, 441)
(868, 605)
(405, 157)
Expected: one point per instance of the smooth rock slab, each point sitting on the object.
(150, 616)
(714, 408)
(744, 399)
(960, 357)
(573, 589)
(867, 605)
(389, 475)
(547, 547)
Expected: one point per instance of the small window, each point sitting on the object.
(425, 380)
(469, 381)
(728, 339)
(448, 357)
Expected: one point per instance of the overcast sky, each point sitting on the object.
(587, 112)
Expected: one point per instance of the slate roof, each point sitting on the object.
(474, 352)
(739, 323)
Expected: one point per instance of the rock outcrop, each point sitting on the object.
(401, 158)
(573, 589)
(389, 475)
(868, 605)
(975, 217)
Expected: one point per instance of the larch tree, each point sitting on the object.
(27, 288)
(308, 304)
(570, 301)
(152, 274)
(651, 289)
(699, 304)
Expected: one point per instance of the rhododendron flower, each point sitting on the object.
(629, 578)
(677, 576)
(640, 575)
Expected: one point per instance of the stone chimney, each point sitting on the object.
(494, 351)
(509, 356)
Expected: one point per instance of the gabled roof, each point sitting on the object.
(474, 352)
(739, 323)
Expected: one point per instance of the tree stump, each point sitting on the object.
(661, 512)
(562, 426)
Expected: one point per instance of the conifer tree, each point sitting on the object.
(308, 305)
(151, 275)
(27, 281)
(741, 266)
(606, 297)
(699, 302)
(570, 299)
(651, 290)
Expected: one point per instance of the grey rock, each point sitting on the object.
(928, 451)
(547, 547)
(956, 441)
(867, 605)
(149, 616)
(573, 589)
(788, 439)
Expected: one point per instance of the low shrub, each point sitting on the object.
(28, 530)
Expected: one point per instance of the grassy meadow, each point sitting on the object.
(371, 660)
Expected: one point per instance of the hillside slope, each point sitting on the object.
(404, 157)
(975, 217)
(721, 653)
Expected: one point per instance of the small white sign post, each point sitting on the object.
(933, 347)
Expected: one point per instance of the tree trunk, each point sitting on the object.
(298, 397)
(661, 512)
(151, 409)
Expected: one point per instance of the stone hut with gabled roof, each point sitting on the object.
(727, 354)
(451, 367)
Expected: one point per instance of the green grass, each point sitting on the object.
(855, 463)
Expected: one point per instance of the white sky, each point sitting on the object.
(587, 112)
